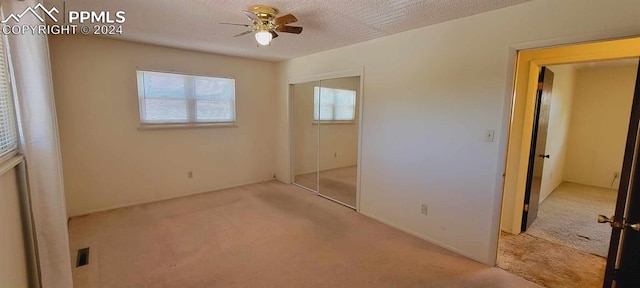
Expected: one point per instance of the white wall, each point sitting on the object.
(338, 142)
(13, 254)
(599, 124)
(109, 163)
(558, 132)
(429, 96)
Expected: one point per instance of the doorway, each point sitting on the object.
(560, 202)
(325, 129)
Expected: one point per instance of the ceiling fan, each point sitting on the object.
(266, 24)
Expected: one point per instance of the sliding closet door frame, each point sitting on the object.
(359, 72)
(292, 141)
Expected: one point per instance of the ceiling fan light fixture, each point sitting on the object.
(264, 37)
(266, 25)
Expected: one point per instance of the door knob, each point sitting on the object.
(544, 156)
(605, 219)
(633, 226)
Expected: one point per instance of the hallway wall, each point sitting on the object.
(599, 124)
(558, 133)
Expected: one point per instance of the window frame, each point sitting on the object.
(333, 121)
(190, 100)
(11, 153)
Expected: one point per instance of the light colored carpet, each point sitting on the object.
(339, 184)
(263, 235)
(569, 217)
(549, 264)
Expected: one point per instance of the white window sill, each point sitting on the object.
(186, 126)
(333, 122)
(10, 163)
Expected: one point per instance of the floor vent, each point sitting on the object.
(83, 257)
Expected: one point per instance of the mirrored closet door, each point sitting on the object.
(337, 120)
(325, 132)
(305, 136)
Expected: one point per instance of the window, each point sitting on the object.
(334, 105)
(167, 98)
(8, 127)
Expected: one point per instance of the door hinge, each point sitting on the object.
(526, 207)
(540, 85)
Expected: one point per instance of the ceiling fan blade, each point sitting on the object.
(284, 20)
(235, 24)
(252, 17)
(274, 34)
(244, 33)
(289, 29)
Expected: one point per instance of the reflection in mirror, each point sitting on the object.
(336, 113)
(305, 135)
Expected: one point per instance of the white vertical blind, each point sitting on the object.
(8, 133)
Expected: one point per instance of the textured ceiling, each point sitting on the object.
(328, 24)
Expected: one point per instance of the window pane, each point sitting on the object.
(334, 104)
(165, 110)
(215, 99)
(176, 98)
(163, 85)
(345, 97)
(344, 113)
(326, 112)
(316, 103)
(327, 104)
(214, 88)
(214, 111)
(345, 105)
(8, 133)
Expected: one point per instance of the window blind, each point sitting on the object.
(168, 98)
(8, 128)
(331, 104)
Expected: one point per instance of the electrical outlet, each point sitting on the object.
(425, 209)
(190, 174)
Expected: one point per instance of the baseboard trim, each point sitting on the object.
(115, 207)
(587, 184)
(425, 238)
